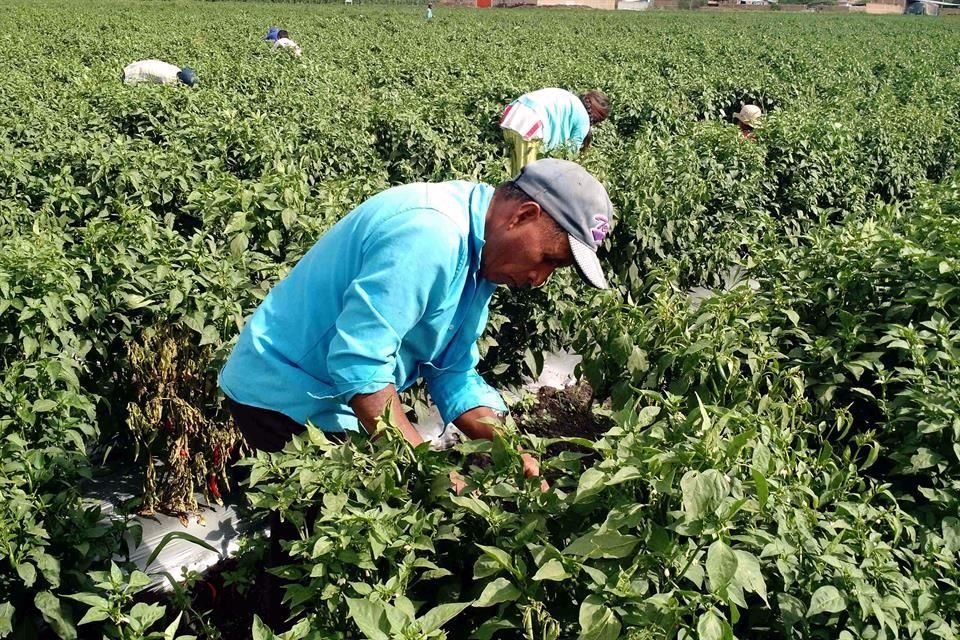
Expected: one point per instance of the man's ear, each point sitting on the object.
(526, 213)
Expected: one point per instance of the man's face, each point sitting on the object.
(523, 245)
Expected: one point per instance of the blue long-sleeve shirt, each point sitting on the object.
(390, 294)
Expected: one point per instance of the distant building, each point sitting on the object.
(922, 8)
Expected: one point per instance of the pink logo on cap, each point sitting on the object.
(599, 230)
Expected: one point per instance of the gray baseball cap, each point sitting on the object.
(578, 203)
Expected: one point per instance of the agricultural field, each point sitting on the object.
(769, 442)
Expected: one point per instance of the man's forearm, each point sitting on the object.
(477, 423)
(368, 408)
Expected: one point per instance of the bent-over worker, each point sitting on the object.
(551, 119)
(158, 72)
(399, 290)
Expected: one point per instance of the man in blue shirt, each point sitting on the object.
(551, 119)
(398, 290)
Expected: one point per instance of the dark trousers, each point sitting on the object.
(269, 431)
(263, 429)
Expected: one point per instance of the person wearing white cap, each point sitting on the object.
(399, 290)
(749, 118)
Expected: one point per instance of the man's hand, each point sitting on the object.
(531, 469)
(478, 423)
(458, 483)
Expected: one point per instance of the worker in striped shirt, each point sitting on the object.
(551, 119)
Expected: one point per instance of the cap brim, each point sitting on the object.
(588, 264)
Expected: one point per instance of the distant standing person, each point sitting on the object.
(429, 11)
(158, 72)
(551, 119)
(749, 118)
(284, 42)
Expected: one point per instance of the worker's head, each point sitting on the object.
(749, 117)
(187, 76)
(282, 34)
(554, 214)
(597, 105)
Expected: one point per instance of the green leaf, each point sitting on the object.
(44, 405)
(210, 335)
(624, 474)
(370, 617)
(637, 364)
(239, 245)
(950, 528)
(602, 545)
(49, 606)
(486, 566)
(30, 346)
(710, 626)
(826, 599)
(763, 488)
(552, 570)
(705, 422)
(116, 574)
(27, 573)
(6, 619)
(749, 575)
(721, 566)
(499, 556)
(146, 614)
(591, 483)
(791, 609)
(260, 630)
(93, 614)
(871, 457)
(49, 567)
(487, 630)
(170, 633)
(471, 504)
(500, 590)
(91, 599)
(257, 473)
(138, 580)
(702, 492)
(597, 622)
(441, 615)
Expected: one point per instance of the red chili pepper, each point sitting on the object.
(168, 425)
(183, 452)
(212, 483)
(216, 456)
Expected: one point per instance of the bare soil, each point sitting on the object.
(563, 413)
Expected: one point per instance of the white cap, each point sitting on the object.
(750, 115)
